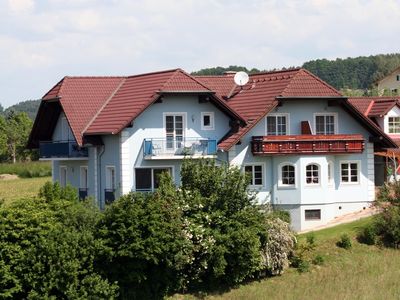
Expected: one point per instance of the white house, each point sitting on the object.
(307, 148)
(390, 83)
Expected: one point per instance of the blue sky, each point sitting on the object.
(43, 40)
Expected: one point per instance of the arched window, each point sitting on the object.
(288, 175)
(312, 174)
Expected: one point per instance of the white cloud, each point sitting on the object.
(21, 6)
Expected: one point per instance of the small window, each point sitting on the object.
(255, 173)
(330, 173)
(312, 214)
(394, 124)
(288, 175)
(398, 77)
(277, 125)
(325, 124)
(110, 178)
(207, 121)
(63, 176)
(148, 179)
(349, 172)
(312, 174)
(83, 177)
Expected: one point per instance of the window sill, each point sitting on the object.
(287, 187)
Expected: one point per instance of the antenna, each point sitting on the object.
(240, 79)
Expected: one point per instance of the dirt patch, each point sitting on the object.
(8, 176)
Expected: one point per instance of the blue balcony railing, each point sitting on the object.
(175, 147)
(63, 149)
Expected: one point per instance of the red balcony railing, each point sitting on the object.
(307, 144)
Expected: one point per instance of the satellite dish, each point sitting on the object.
(241, 78)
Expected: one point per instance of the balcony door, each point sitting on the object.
(174, 130)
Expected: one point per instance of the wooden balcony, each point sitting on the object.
(307, 144)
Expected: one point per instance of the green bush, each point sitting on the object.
(368, 235)
(282, 214)
(27, 169)
(145, 249)
(388, 226)
(344, 242)
(48, 250)
(318, 260)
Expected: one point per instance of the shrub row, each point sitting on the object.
(203, 235)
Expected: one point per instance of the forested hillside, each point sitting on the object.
(30, 107)
(353, 73)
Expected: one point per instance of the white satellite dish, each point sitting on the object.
(241, 78)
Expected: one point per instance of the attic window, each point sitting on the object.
(207, 121)
(394, 124)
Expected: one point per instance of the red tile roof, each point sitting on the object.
(106, 105)
(81, 98)
(374, 106)
(259, 96)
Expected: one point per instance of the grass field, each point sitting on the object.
(20, 188)
(27, 169)
(364, 272)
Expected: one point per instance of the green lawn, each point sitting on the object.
(364, 272)
(19, 188)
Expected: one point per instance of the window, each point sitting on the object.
(349, 172)
(312, 214)
(394, 124)
(325, 124)
(148, 179)
(174, 130)
(277, 124)
(110, 178)
(63, 176)
(398, 77)
(330, 173)
(312, 174)
(83, 177)
(207, 121)
(288, 175)
(255, 173)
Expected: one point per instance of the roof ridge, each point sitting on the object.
(123, 80)
(152, 73)
(62, 85)
(94, 76)
(370, 105)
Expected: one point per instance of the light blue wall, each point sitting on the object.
(150, 124)
(303, 110)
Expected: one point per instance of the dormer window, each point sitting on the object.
(394, 124)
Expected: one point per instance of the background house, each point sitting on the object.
(390, 83)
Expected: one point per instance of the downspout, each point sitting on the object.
(99, 177)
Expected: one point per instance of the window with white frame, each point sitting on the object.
(349, 172)
(255, 174)
(174, 130)
(287, 175)
(207, 120)
(394, 124)
(325, 123)
(83, 177)
(277, 124)
(110, 178)
(148, 179)
(330, 172)
(63, 176)
(312, 174)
